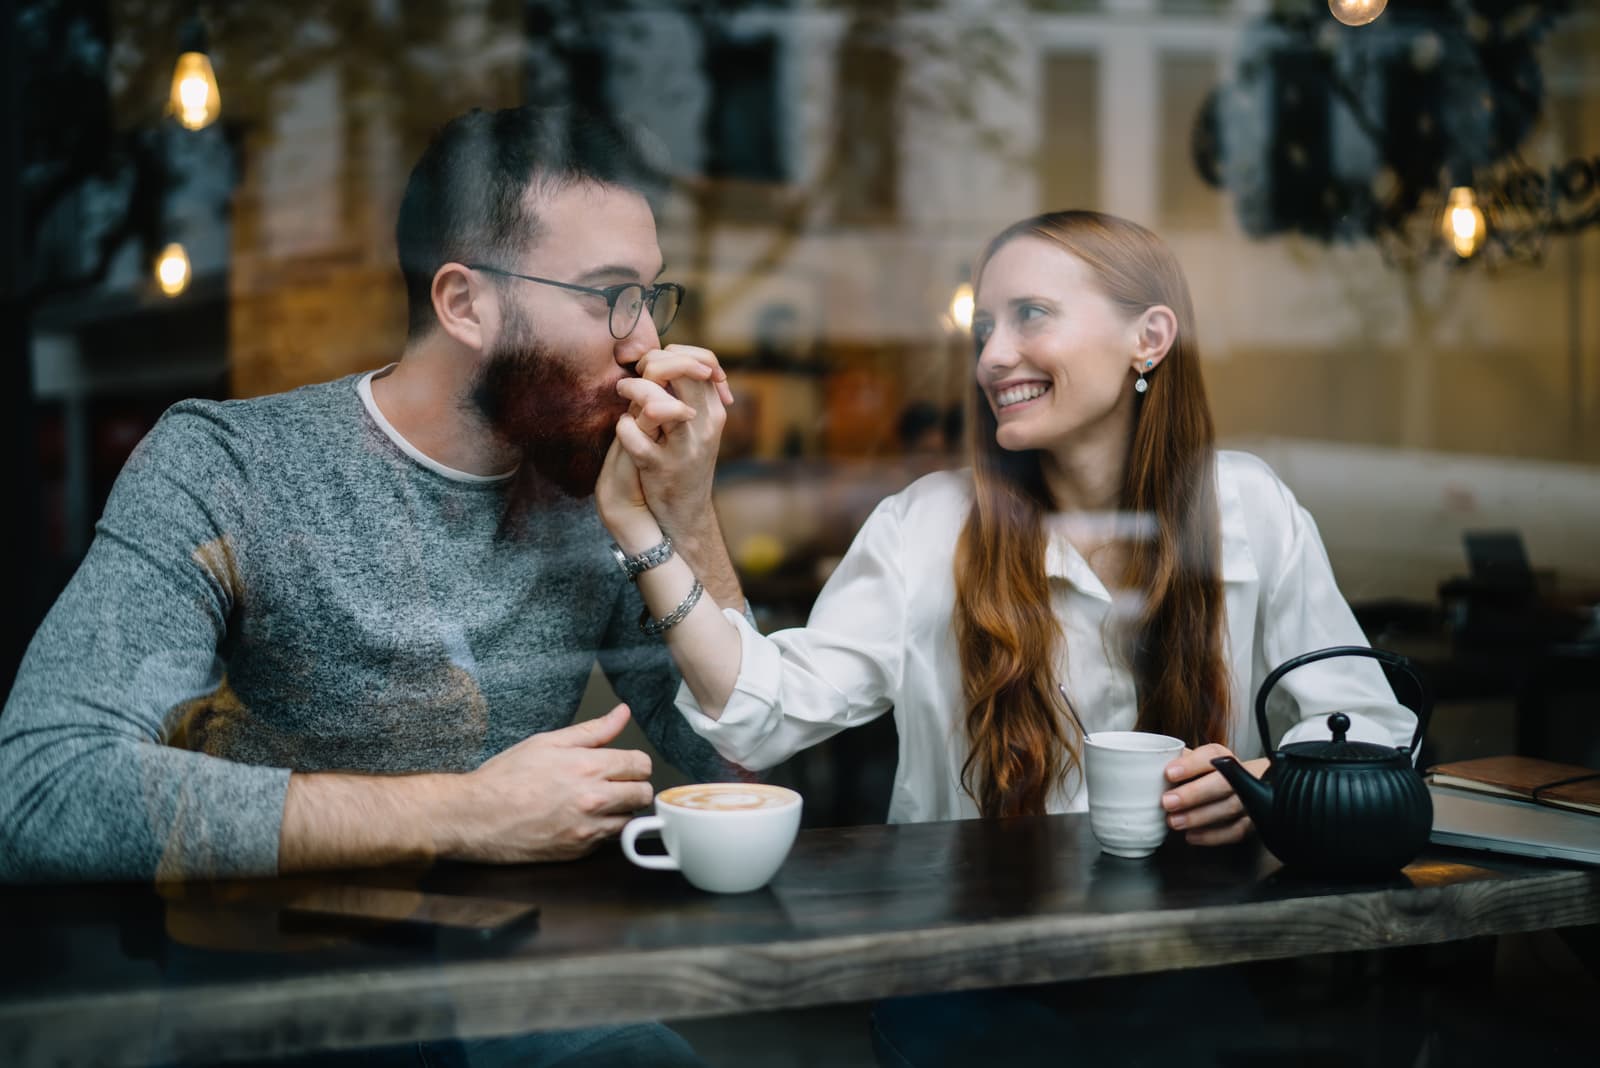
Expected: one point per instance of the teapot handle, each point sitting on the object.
(1395, 660)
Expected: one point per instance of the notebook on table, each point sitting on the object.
(1543, 782)
(1500, 825)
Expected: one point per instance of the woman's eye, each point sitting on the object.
(980, 334)
(1029, 311)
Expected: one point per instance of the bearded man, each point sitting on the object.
(351, 624)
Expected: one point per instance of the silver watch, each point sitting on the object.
(634, 566)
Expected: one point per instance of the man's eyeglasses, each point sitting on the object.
(627, 301)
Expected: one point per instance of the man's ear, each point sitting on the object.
(1154, 332)
(462, 304)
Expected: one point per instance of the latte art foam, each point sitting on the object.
(726, 797)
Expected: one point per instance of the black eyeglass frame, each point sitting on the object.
(612, 294)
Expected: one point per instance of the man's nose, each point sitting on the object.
(640, 340)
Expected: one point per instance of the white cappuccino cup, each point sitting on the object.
(727, 837)
(1126, 773)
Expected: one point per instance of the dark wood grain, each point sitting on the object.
(127, 975)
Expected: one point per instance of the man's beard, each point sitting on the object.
(560, 425)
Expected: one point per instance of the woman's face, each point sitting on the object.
(1055, 354)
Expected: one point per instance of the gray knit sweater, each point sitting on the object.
(276, 586)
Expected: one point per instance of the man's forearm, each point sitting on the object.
(707, 555)
(350, 821)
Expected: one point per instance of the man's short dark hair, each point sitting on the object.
(466, 201)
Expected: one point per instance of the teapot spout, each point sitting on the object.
(1255, 795)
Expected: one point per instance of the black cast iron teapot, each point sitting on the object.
(1338, 807)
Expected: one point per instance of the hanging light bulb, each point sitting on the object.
(1356, 12)
(961, 306)
(1462, 224)
(172, 270)
(195, 100)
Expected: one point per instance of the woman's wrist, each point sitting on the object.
(636, 534)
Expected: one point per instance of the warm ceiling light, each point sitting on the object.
(1356, 12)
(961, 306)
(1462, 224)
(172, 270)
(195, 99)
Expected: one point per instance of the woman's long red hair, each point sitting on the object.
(1021, 746)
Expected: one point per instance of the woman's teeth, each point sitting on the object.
(1017, 394)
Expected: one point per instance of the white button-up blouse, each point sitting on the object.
(880, 638)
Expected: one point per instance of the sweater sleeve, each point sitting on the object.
(90, 787)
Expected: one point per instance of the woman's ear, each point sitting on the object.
(460, 302)
(1155, 331)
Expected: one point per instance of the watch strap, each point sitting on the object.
(634, 566)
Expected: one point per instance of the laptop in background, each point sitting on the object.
(1497, 560)
(1471, 820)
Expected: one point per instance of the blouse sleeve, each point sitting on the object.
(1303, 610)
(801, 686)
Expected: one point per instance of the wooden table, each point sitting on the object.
(126, 975)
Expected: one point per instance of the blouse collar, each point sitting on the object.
(1063, 561)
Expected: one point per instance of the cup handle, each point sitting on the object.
(630, 835)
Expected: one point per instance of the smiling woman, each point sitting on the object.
(1047, 318)
(1100, 542)
(1071, 307)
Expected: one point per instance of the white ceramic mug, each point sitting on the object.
(728, 837)
(1126, 773)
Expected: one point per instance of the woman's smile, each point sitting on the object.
(1015, 397)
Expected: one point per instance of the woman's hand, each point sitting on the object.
(1204, 807)
(619, 497)
(677, 404)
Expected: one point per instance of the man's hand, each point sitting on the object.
(671, 434)
(553, 796)
(619, 498)
(666, 365)
(1205, 807)
(678, 403)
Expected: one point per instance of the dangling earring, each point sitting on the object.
(1141, 385)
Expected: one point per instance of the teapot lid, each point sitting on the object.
(1342, 750)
